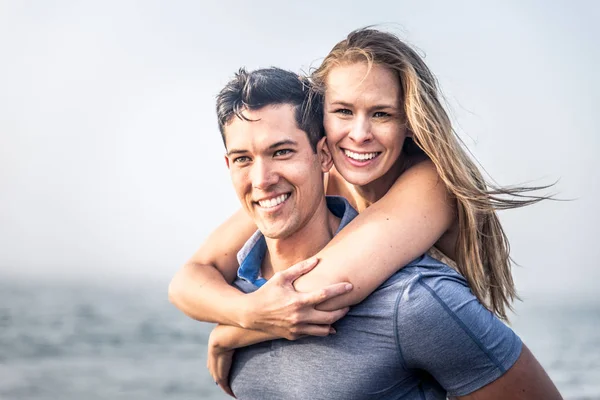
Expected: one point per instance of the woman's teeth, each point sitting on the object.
(275, 201)
(360, 156)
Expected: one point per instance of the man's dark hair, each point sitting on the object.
(271, 86)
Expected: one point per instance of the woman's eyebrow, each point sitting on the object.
(375, 107)
(341, 103)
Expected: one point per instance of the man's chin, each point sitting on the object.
(274, 231)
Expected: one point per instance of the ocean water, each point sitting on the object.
(97, 341)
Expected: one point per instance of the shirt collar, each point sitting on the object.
(251, 256)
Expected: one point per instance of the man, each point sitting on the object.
(441, 341)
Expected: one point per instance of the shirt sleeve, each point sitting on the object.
(444, 330)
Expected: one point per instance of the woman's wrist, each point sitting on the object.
(216, 340)
(246, 312)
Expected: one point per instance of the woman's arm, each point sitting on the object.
(411, 217)
(401, 226)
(202, 290)
(226, 337)
(222, 342)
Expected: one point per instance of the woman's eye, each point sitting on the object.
(241, 159)
(343, 111)
(282, 152)
(381, 114)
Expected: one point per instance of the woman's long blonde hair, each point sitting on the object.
(482, 249)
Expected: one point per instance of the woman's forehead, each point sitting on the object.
(360, 82)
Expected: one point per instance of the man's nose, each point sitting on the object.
(361, 130)
(263, 175)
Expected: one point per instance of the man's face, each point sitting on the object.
(276, 175)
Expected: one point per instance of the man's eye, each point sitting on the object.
(282, 152)
(241, 159)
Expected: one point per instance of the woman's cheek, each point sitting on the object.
(334, 128)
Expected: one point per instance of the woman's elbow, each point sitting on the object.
(176, 289)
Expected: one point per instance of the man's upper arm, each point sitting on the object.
(525, 380)
(443, 329)
(221, 247)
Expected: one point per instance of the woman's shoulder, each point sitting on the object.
(419, 163)
(417, 170)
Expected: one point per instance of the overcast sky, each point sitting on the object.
(111, 163)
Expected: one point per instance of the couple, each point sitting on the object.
(418, 329)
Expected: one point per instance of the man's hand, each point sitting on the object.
(277, 308)
(218, 362)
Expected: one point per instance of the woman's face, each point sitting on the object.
(364, 121)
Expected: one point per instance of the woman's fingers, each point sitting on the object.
(315, 330)
(317, 323)
(225, 387)
(219, 364)
(317, 317)
(297, 270)
(277, 308)
(318, 296)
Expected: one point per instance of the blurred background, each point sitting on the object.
(112, 171)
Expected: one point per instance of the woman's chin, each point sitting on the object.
(358, 178)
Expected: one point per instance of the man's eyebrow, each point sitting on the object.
(285, 142)
(236, 151)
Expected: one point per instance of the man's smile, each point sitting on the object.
(273, 201)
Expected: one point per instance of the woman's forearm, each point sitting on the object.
(201, 292)
(226, 337)
(201, 288)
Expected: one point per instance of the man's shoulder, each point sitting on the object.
(341, 208)
(424, 292)
(424, 270)
(427, 286)
(441, 327)
(405, 290)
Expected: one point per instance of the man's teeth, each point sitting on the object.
(360, 156)
(275, 201)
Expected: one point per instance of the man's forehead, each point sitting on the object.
(270, 112)
(264, 128)
(261, 146)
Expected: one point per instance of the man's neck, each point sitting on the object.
(304, 243)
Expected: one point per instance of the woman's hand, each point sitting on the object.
(218, 362)
(278, 309)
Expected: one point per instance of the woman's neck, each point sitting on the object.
(362, 196)
(375, 190)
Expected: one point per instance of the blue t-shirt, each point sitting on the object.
(421, 335)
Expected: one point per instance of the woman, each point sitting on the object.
(400, 164)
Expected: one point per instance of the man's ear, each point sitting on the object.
(226, 161)
(324, 155)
